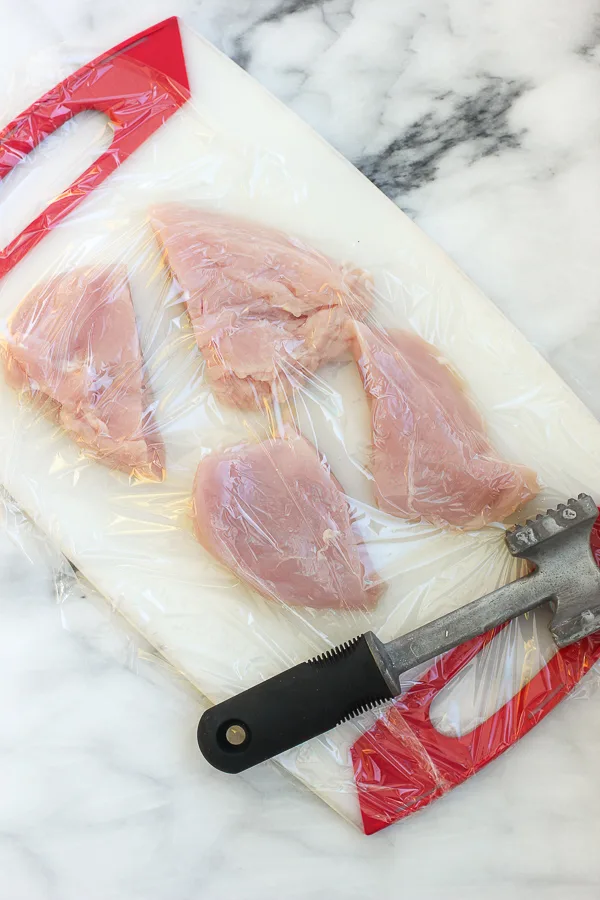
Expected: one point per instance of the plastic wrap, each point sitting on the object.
(262, 413)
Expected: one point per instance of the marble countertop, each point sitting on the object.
(480, 118)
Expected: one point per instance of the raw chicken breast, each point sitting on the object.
(73, 344)
(267, 310)
(273, 514)
(431, 455)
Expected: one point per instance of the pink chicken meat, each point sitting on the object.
(73, 345)
(273, 514)
(267, 310)
(431, 456)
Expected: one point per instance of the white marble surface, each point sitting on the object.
(482, 120)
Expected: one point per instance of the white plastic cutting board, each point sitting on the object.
(237, 149)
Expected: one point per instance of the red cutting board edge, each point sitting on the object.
(403, 763)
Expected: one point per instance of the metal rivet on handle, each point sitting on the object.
(236, 735)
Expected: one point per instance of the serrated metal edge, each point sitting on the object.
(552, 512)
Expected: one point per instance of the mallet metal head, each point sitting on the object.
(558, 543)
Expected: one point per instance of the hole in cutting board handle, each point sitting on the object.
(50, 169)
(495, 675)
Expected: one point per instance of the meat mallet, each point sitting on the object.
(315, 696)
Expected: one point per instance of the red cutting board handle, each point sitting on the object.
(139, 85)
(404, 763)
